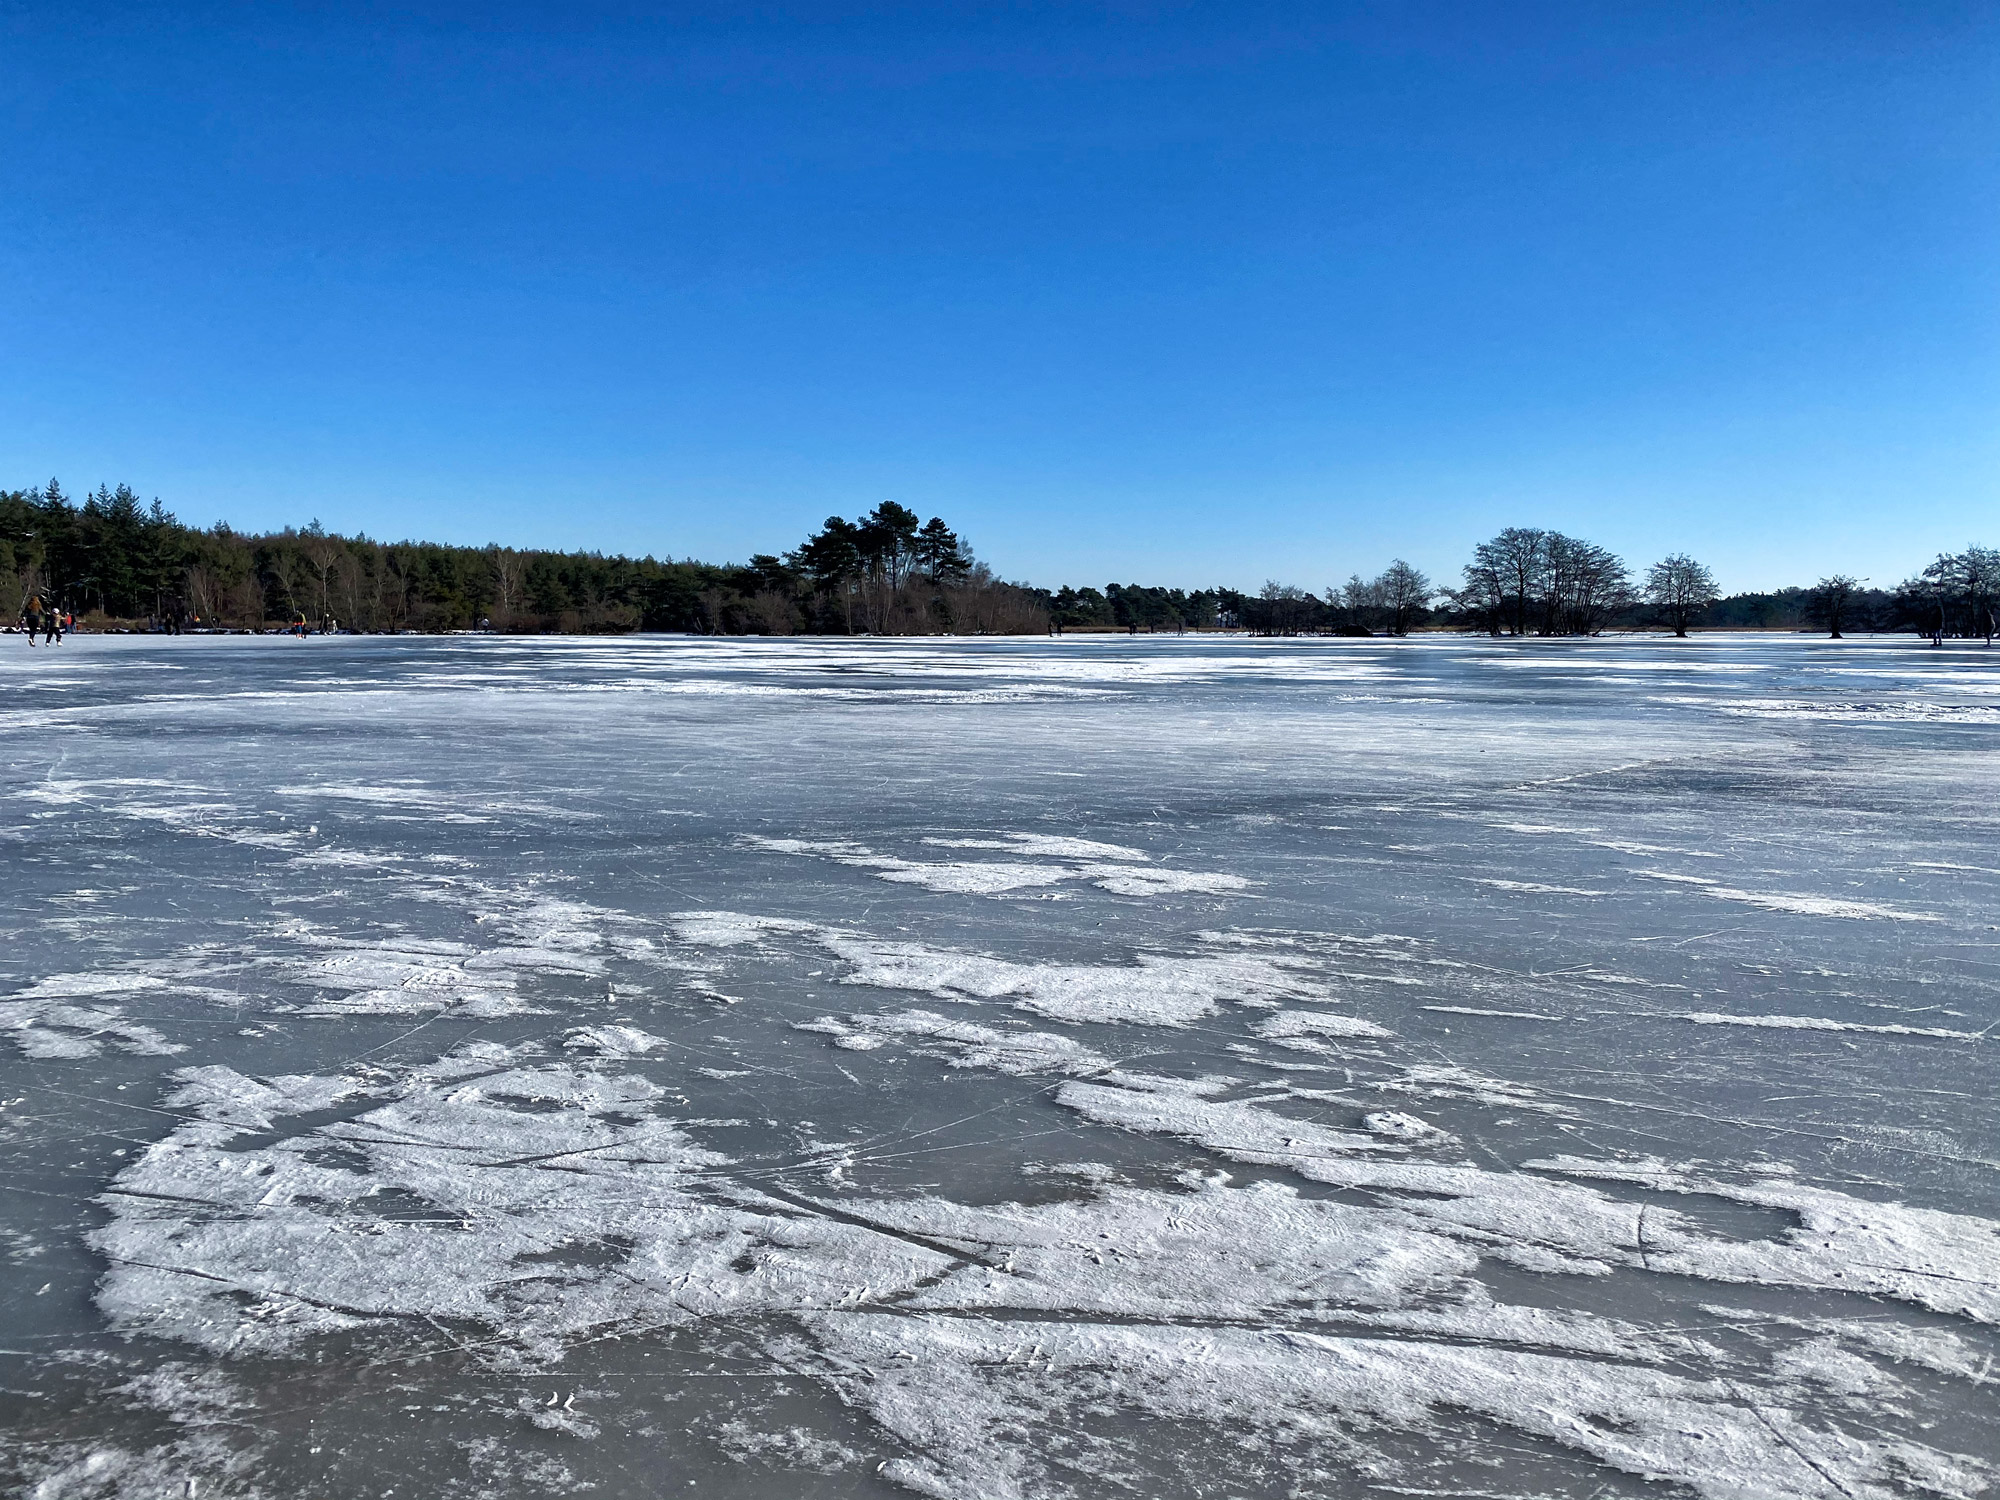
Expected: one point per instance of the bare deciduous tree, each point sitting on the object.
(1514, 567)
(1526, 580)
(509, 574)
(204, 593)
(322, 555)
(1682, 588)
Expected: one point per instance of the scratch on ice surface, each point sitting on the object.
(852, 1070)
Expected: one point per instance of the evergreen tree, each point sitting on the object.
(1833, 602)
(940, 553)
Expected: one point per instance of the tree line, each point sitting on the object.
(1531, 582)
(117, 561)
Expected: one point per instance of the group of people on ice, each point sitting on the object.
(50, 621)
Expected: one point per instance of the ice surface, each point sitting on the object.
(1164, 1067)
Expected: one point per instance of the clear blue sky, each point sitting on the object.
(1165, 293)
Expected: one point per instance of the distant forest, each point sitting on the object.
(119, 563)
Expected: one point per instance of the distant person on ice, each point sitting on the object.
(31, 616)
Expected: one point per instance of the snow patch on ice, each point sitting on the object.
(1946, 1262)
(39, 1022)
(964, 1044)
(1128, 880)
(734, 929)
(1821, 1023)
(1154, 989)
(613, 1041)
(1505, 1015)
(1795, 902)
(978, 1399)
(1128, 877)
(540, 1200)
(1531, 887)
(88, 986)
(1888, 711)
(1050, 846)
(1302, 1029)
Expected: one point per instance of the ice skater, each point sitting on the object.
(52, 626)
(31, 617)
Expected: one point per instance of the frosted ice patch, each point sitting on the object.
(1535, 888)
(1398, 1126)
(980, 1399)
(526, 938)
(1129, 880)
(1937, 1350)
(226, 1102)
(443, 804)
(540, 1200)
(340, 859)
(1888, 711)
(964, 1044)
(41, 1025)
(88, 986)
(974, 878)
(1946, 1262)
(1245, 1131)
(1302, 1030)
(795, 1448)
(1154, 989)
(1480, 1010)
(1127, 877)
(1821, 1023)
(1454, 1081)
(190, 1465)
(1795, 902)
(1622, 846)
(1049, 845)
(731, 929)
(395, 979)
(613, 1041)
(52, 1030)
(1216, 1254)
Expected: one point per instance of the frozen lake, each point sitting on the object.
(1104, 1067)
